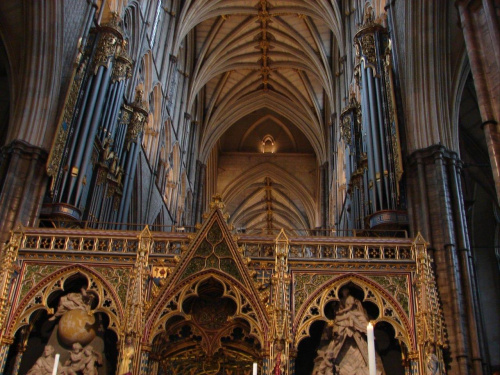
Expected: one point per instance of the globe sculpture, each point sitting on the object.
(76, 326)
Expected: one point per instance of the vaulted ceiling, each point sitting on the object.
(265, 68)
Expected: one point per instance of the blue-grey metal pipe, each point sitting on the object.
(383, 142)
(375, 134)
(366, 115)
(99, 199)
(366, 192)
(111, 118)
(119, 141)
(127, 168)
(104, 214)
(116, 108)
(76, 129)
(130, 181)
(89, 146)
(102, 130)
(356, 206)
(83, 132)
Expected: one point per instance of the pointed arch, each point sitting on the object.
(171, 301)
(310, 310)
(37, 297)
(238, 109)
(261, 171)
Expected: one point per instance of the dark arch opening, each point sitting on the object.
(322, 334)
(44, 330)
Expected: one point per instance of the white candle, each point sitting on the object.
(371, 349)
(254, 368)
(56, 363)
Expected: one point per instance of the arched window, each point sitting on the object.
(268, 144)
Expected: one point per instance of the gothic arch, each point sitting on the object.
(238, 108)
(283, 177)
(275, 120)
(37, 298)
(131, 27)
(390, 310)
(152, 132)
(459, 85)
(170, 304)
(193, 13)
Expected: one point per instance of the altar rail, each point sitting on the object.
(44, 240)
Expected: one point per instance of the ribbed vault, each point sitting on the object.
(263, 54)
(275, 58)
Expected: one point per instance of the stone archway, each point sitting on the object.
(211, 332)
(41, 318)
(316, 326)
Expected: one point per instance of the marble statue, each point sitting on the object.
(73, 301)
(432, 364)
(76, 362)
(347, 351)
(92, 359)
(45, 364)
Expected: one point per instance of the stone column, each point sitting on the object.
(481, 28)
(33, 36)
(5, 344)
(201, 171)
(324, 195)
(22, 185)
(434, 168)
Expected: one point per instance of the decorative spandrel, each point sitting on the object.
(397, 286)
(213, 252)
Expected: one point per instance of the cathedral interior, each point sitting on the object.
(236, 187)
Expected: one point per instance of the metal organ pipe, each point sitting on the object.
(82, 134)
(89, 146)
(383, 150)
(369, 139)
(375, 136)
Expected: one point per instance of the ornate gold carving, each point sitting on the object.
(48, 257)
(396, 152)
(431, 331)
(364, 40)
(217, 202)
(350, 120)
(357, 73)
(305, 284)
(281, 335)
(122, 68)
(101, 176)
(126, 114)
(345, 129)
(56, 152)
(389, 310)
(118, 277)
(138, 118)
(110, 38)
(51, 278)
(7, 264)
(368, 48)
